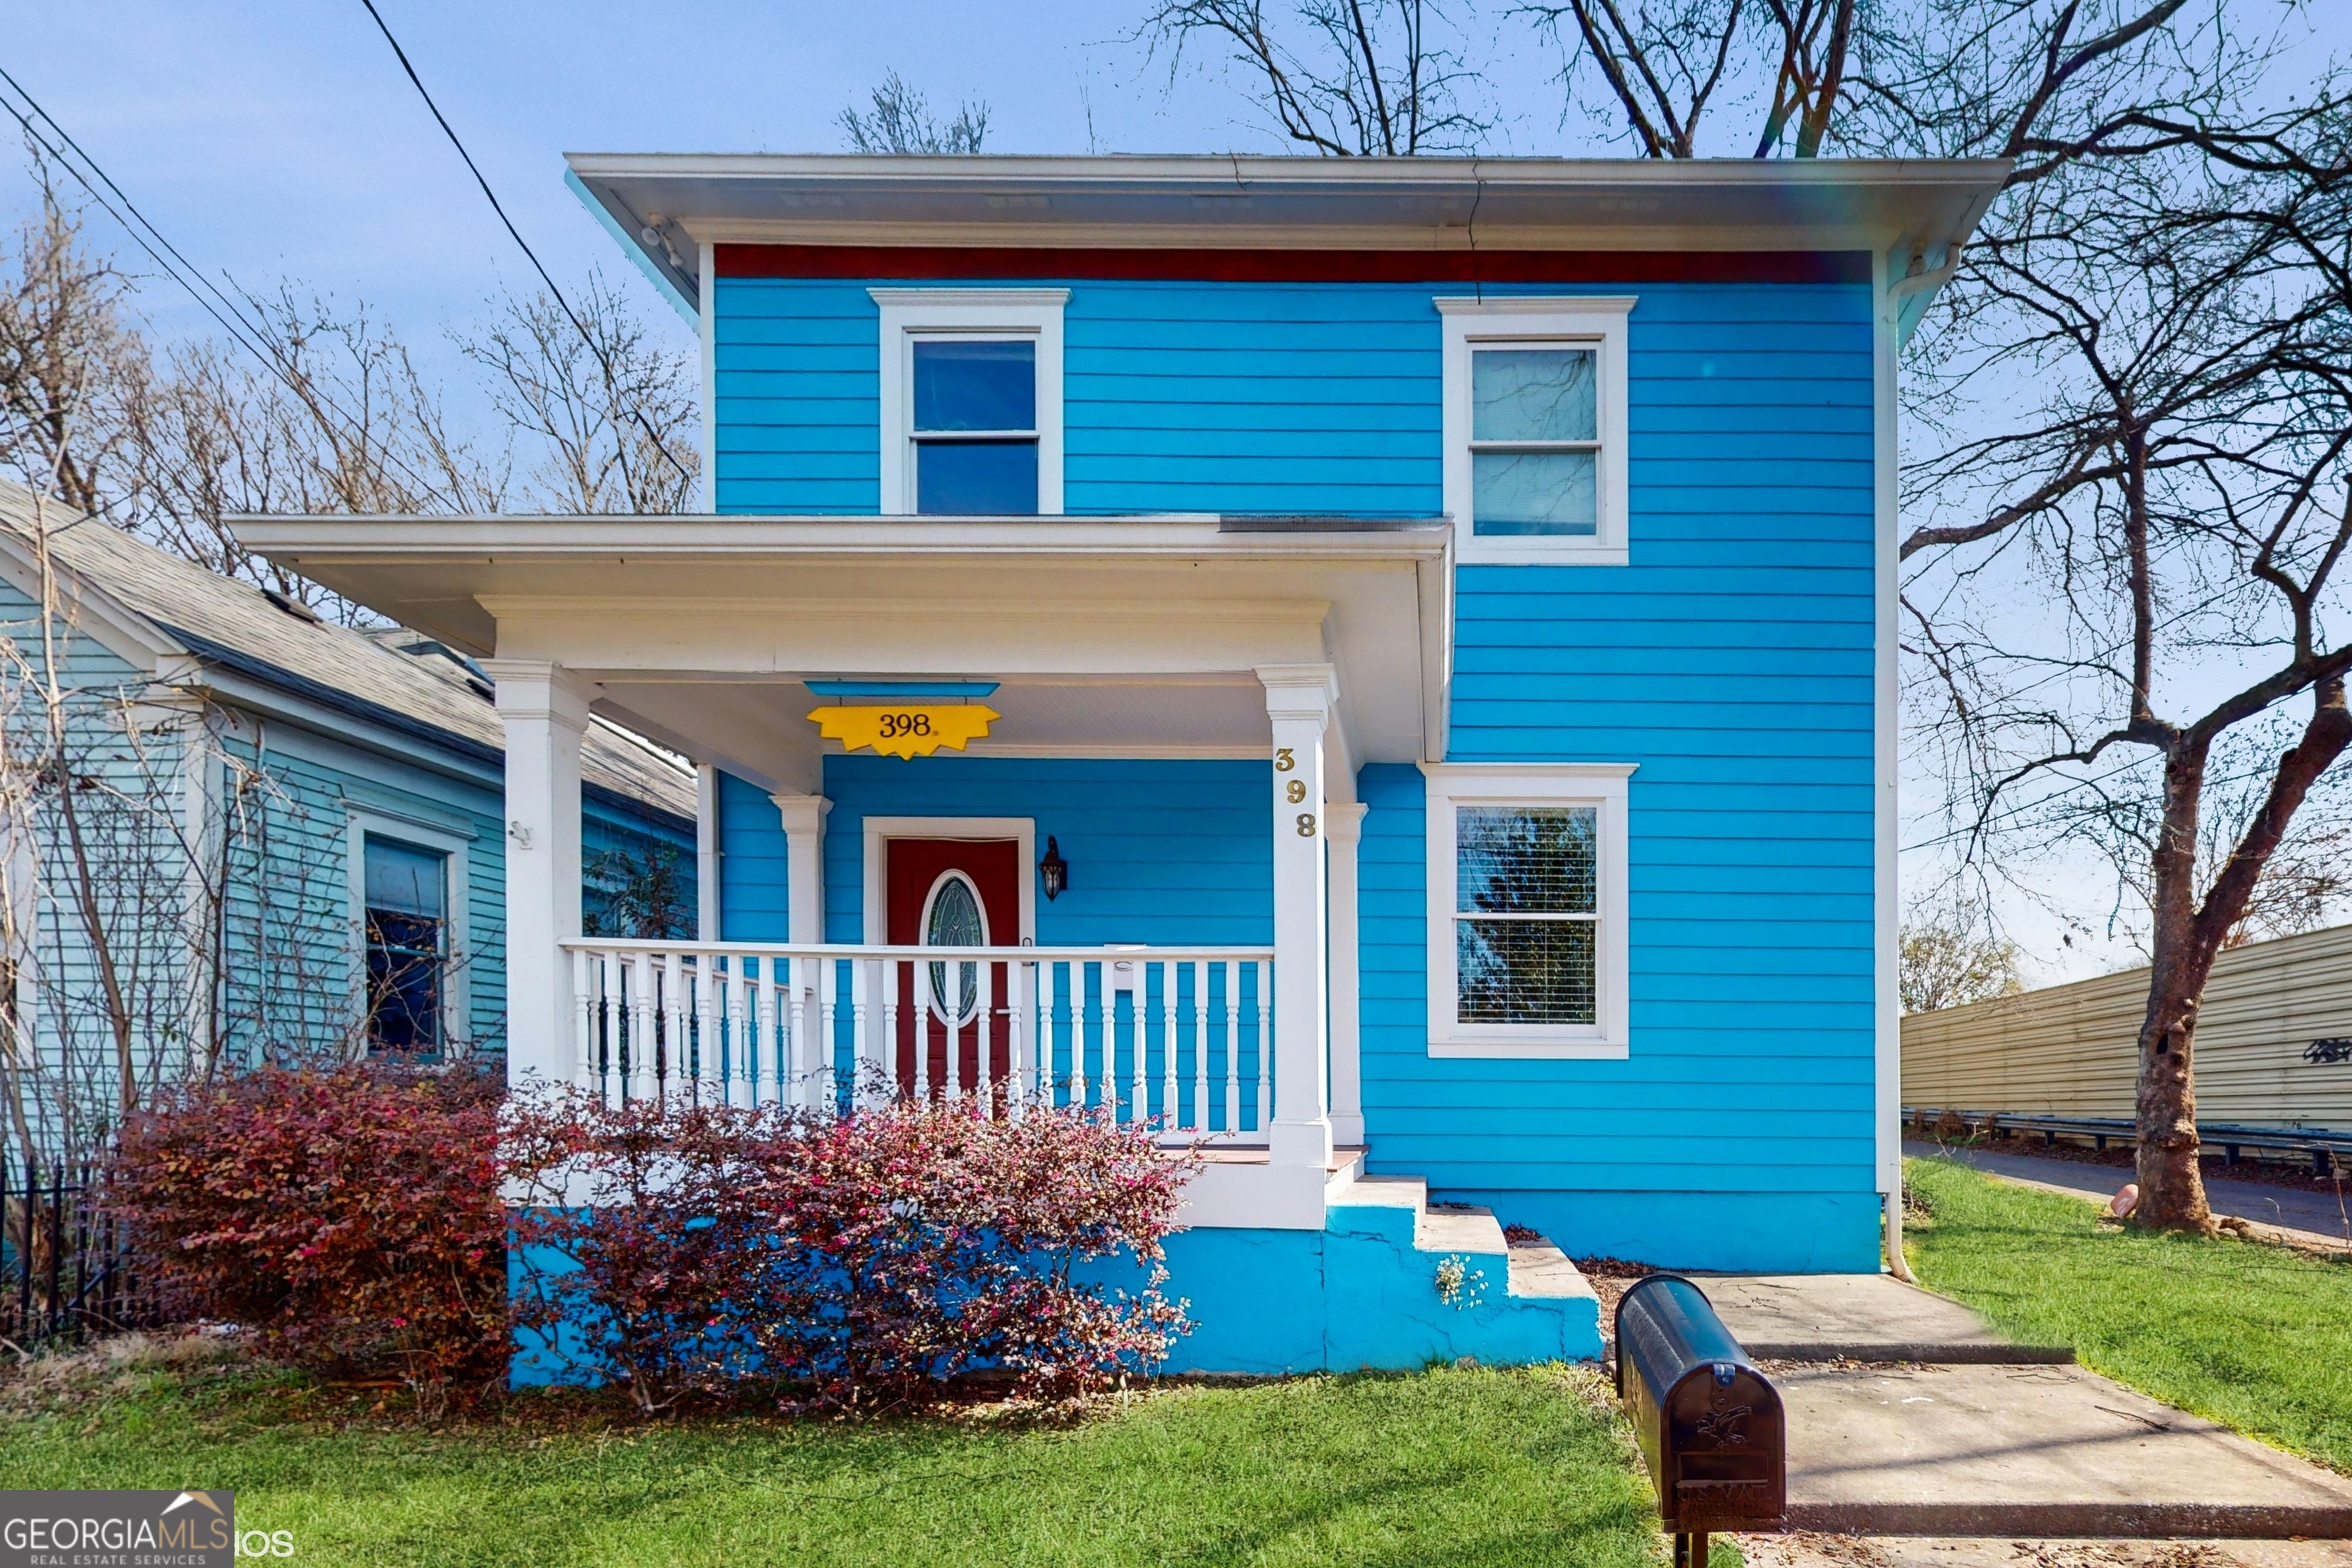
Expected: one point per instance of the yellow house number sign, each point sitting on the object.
(906, 729)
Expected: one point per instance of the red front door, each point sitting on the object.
(952, 892)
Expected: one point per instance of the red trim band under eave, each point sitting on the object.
(946, 262)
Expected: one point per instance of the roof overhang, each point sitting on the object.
(1132, 635)
(1898, 207)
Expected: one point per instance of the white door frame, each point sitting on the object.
(879, 830)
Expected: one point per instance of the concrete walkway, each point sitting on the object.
(2285, 1207)
(1908, 1416)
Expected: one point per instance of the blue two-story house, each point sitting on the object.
(1381, 670)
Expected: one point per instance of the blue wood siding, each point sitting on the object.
(753, 902)
(1164, 852)
(1731, 660)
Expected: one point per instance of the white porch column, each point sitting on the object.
(545, 710)
(803, 865)
(1343, 823)
(706, 853)
(1299, 700)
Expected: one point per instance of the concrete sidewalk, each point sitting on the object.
(2288, 1208)
(1908, 1416)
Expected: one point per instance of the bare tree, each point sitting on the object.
(339, 421)
(901, 120)
(70, 359)
(1952, 956)
(1660, 63)
(1345, 78)
(613, 415)
(2130, 573)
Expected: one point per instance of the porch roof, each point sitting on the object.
(1108, 635)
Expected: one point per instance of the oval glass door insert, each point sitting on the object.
(954, 918)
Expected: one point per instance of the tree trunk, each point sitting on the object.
(2171, 1188)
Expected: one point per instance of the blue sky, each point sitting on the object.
(277, 138)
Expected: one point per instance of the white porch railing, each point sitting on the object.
(1181, 1038)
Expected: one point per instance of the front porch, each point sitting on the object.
(1176, 1039)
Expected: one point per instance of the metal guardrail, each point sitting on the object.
(2325, 1147)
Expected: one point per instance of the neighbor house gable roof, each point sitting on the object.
(154, 609)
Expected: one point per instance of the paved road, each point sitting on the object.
(2245, 1200)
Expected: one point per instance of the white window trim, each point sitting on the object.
(456, 990)
(1596, 321)
(1604, 785)
(911, 313)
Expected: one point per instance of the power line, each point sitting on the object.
(612, 381)
(255, 341)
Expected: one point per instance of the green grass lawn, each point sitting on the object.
(1453, 1467)
(2251, 1336)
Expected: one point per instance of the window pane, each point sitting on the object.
(403, 981)
(1532, 395)
(955, 921)
(976, 478)
(1534, 492)
(403, 878)
(1525, 971)
(965, 385)
(1525, 859)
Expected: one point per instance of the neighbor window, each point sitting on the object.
(970, 401)
(1534, 428)
(1528, 937)
(408, 931)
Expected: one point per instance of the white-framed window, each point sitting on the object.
(409, 907)
(972, 401)
(1534, 428)
(1526, 909)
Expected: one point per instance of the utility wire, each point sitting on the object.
(208, 295)
(612, 381)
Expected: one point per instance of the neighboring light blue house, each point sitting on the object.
(282, 838)
(1385, 668)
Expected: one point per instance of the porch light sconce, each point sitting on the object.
(1052, 871)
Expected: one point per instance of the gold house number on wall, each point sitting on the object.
(1295, 790)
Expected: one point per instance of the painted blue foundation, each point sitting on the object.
(1763, 1233)
(1354, 1295)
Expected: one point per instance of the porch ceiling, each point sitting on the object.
(1118, 637)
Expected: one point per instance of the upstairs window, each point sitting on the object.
(407, 930)
(1535, 444)
(970, 401)
(975, 431)
(1528, 910)
(1535, 428)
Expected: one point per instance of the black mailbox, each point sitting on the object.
(1710, 1424)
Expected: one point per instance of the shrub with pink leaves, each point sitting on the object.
(351, 1217)
(853, 1262)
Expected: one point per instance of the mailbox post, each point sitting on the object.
(1710, 1425)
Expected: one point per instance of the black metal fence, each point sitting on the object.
(67, 1273)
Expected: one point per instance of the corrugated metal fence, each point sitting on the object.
(2274, 1042)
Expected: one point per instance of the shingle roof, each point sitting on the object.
(390, 674)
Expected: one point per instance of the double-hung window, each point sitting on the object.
(1535, 427)
(970, 401)
(1527, 907)
(407, 919)
(408, 911)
